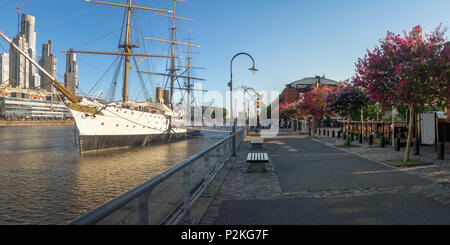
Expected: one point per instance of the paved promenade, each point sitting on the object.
(310, 181)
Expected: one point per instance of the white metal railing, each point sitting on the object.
(167, 198)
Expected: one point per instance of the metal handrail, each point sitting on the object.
(111, 206)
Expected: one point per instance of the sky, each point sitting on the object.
(288, 39)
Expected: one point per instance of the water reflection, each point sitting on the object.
(44, 180)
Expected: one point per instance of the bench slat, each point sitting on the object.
(257, 157)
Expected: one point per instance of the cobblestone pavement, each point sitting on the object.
(237, 184)
(438, 172)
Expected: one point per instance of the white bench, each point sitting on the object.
(257, 143)
(256, 162)
(257, 157)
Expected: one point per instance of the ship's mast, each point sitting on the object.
(188, 70)
(127, 46)
(172, 60)
(189, 58)
(172, 70)
(127, 49)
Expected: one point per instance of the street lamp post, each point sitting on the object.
(245, 89)
(230, 84)
(245, 114)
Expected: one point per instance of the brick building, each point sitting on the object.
(296, 89)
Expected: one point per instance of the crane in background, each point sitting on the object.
(19, 9)
(257, 97)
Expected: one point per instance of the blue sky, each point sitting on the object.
(289, 39)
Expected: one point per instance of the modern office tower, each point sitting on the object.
(27, 30)
(22, 72)
(4, 67)
(48, 62)
(71, 75)
(19, 66)
(37, 80)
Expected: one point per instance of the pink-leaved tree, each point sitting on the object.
(347, 100)
(408, 69)
(314, 104)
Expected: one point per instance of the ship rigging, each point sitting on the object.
(103, 125)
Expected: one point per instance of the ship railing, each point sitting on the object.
(167, 199)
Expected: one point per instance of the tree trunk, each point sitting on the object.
(410, 130)
(313, 124)
(306, 120)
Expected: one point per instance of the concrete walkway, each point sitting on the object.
(309, 183)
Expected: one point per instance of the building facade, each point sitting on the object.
(48, 62)
(71, 75)
(295, 90)
(27, 30)
(25, 108)
(19, 66)
(4, 67)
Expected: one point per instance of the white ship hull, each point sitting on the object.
(121, 127)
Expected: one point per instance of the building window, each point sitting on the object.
(303, 85)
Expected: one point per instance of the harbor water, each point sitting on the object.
(44, 179)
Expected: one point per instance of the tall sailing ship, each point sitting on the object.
(104, 125)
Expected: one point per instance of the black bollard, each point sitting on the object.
(382, 142)
(332, 133)
(371, 139)
(440, 150)
(320, 131)
(397, 144)
(417, 146)
(360, 138)
(328, 133)
(344, 136)
(339, 134)
(352, 136)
